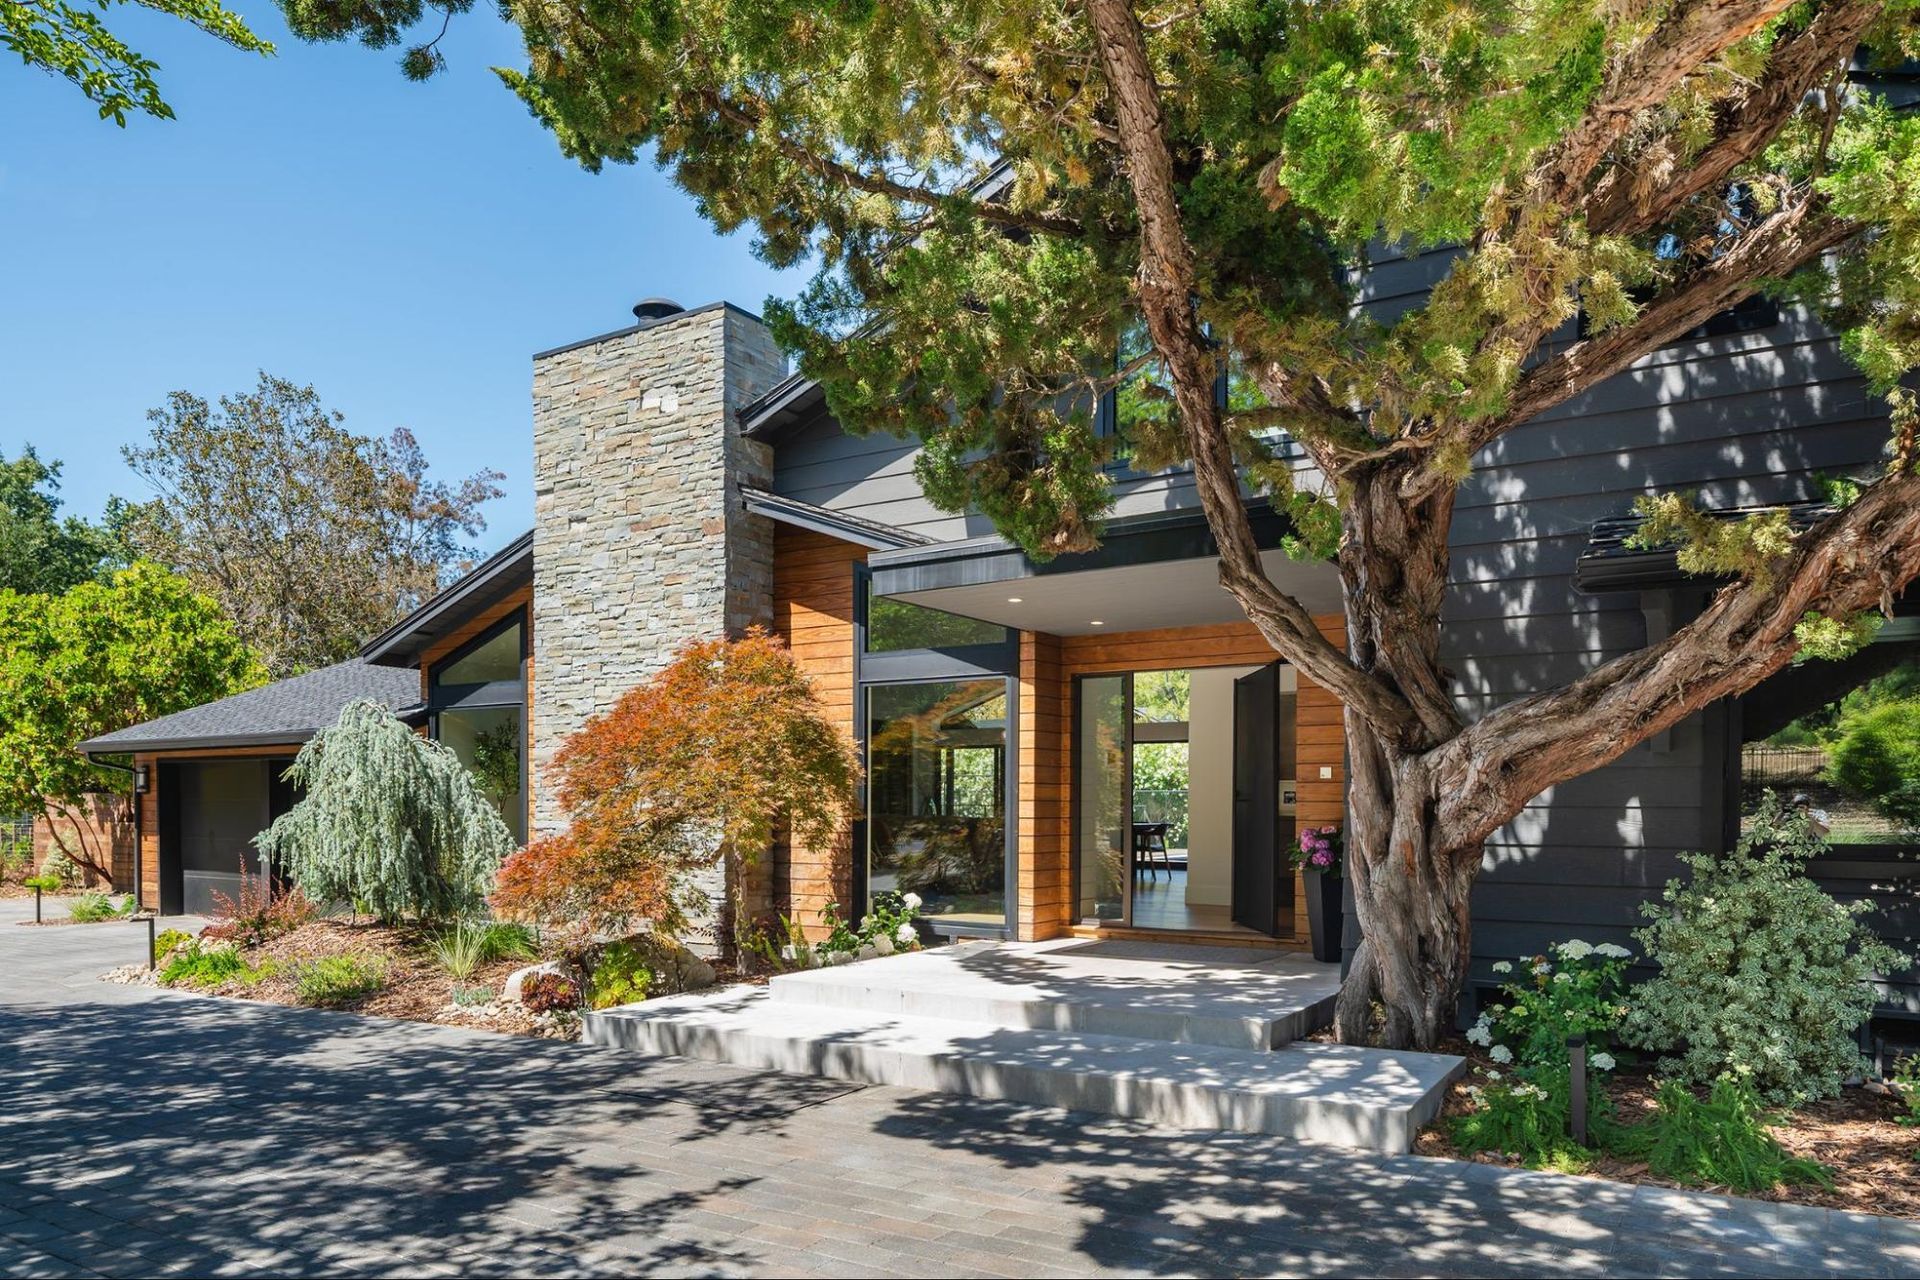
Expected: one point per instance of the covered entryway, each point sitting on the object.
(210, 811)
(1164, 759)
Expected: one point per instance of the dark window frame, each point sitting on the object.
(489, 696)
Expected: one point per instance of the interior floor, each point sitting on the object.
(1160, 902)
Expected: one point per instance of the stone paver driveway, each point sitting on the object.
(148, 1133)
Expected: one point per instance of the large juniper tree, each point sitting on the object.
(1218, 170)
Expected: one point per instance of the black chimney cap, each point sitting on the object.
(655, 309)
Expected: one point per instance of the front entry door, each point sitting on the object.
(1256, 800)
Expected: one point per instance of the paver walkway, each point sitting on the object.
(147, 1133)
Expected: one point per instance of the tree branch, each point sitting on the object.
(1857, 560)
(1626, 205)
(752, 118)
(1166, 284)
(1782, 243)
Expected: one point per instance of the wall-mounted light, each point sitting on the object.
(1096, 623)
(1013, 599)
(140, 779)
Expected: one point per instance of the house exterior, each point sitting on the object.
(1019, 720)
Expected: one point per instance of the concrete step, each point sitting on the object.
(1361, 1098)
(1151, 991)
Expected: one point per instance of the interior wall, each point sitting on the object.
(1210, 785)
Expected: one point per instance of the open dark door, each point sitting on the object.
(1256, 800)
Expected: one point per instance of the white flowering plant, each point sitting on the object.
(1762, 972)
(1574, 989)
(887, 928)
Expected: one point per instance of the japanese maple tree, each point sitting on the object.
(692, 769)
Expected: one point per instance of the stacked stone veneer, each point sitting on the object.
(641, 542)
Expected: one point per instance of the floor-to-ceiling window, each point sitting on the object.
(936, 723)
(478, 696)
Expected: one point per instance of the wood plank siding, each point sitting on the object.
(813, 613)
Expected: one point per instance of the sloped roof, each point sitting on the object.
(285, 712)
(1611, 562)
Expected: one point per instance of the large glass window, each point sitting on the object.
(478, 696)
(893, 625)
(936, 797)
(1104, 832)
(487, 740)
(1841, 740)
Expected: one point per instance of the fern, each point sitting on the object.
(1721, 1142)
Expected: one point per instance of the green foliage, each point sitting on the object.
(1833, 639)
(466, 945)
(1721, 1142)
(44, 882)
(1576, 990)
(330, 981)
(496, 761)
(1761, 972)
(72, 41)
(311, 536)
(90, 908)
(390, 821)
(168, 941)
(1751, 547)
(100, 657)
(886, 929)
(1906, 1086)
(203, 964)
(39, 552)
(1875, 756)
(1528, 1116)
(620, 976)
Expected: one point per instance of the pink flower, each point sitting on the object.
(1327, 831)
(1322, 858)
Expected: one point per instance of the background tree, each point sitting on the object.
(998, 194)
(39, 551)
(690, 770)
(100, 657)
(73, 42)
(390, 822)
(312, 537)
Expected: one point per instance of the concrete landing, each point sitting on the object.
(1231, 997)
(1191, 1037)
(1361, 1098)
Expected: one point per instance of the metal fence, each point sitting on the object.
(1761, 762)
(16, 846)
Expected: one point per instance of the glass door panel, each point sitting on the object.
(937, 797)
(1104, 832)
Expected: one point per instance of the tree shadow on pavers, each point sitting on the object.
(1165, 1201)
(306, 1137)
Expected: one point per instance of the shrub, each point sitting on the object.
(89, 908)
(506, 940)
(550, 993)
(260, 915)
(197, 963)
(391, 822)
(43, 882)
(1721, 1142)
(1906, 1086)
(471, 996)
(1761, 972)
(168, 941)
(1576, 990)
(1529, 1116)
(620, 977)
(340, 979)
(689, 770)
(459, 949)
(1876, 757)
(886, 929)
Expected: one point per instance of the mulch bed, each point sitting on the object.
(1856, 1135)
(417, 988)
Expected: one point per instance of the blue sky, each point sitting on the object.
(404, 248)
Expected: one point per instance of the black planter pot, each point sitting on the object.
(1324, 917)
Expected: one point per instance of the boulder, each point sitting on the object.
(674, 967)
(515, 980)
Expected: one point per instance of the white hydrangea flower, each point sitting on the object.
(910, 901)
(1575, 949)
(1542, 968)
(1601, 1062)
(905, 935)
(1503, 966)
(1479, 1035)
(883, 944)
(1563, 977)
(1492, 1075)
(1529, 1091)
(1612, 951)
(1500, 1054)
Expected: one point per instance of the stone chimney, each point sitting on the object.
(640, 539)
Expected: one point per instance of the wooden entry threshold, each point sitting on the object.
(1194, 937)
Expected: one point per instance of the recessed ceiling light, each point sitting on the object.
(1013, 599)
(1096, 623)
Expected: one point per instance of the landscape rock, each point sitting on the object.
(515, 980)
